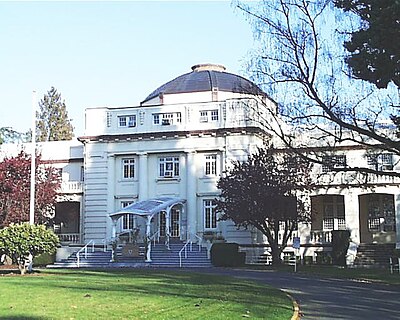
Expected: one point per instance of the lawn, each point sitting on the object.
(361, 274)
(137, 294)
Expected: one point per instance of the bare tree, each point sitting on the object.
(300, 62)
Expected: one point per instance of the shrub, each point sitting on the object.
(340, 244)
(227, 255)
(24, 241)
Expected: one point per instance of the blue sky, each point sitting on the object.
(109, 53)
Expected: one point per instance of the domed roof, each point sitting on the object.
(206, 77)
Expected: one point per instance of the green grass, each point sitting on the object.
(373, 275)
(137, 294)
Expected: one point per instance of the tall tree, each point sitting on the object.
(15, 190)
(9, 135)
(53, 123)
(374, 52)
(300, 62)
(268, 192)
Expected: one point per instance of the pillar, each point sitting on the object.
(110, 194)
(143, 177)
(148, 235)
(191, 179)
(167, 226)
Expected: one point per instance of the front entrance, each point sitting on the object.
(175, 223)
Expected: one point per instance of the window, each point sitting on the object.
(210, 214)
(210, 165)
(380, 162)
(333, 162)
(167, 119)
(203, 116)
(82, 173)
(127, 222)
(381, 216)
(209, 115)
(214, 115)
(156, 119)
(127, 121)
(128, 166)
(169, 167)
(334, 218)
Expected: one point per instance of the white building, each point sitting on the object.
(177, 142)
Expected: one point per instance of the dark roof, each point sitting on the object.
(205, 78)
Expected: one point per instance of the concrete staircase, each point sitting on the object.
(371, 255)
(161, 257)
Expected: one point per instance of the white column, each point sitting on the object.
(111, 192)
(352, 215)
(143, 177)
(191, 178)
(148, 235)
(397, 215)
(167, 226)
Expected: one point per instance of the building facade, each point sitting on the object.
(177, 142)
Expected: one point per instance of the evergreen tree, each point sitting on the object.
(53, 123)
(375, 47)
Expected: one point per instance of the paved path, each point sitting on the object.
(325, 298)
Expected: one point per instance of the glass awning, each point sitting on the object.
(148, 207)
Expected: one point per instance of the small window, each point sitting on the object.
(203, 116)
(210, 214)
(128, 168)
(127, 121)
(333, 162)
(214, 115)
(210, 165)
(156, 119)
(380, 162)
(169, 167)
(167, 119)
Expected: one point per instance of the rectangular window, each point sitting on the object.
(211, 165)
(179, 117)
(210, 214)
(380, 162)
(203, 116)
(167, 119)
(333, 162)
(82, 173)
(169, 167)
(214, 115)
(156, 119)
(127, 121)
(333, 214)
(128, 168)
(128, 219)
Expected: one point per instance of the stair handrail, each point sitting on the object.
(184, 249)
(154, 236)
(84, 249)
(189, 241)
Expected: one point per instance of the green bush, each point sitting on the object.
(227, 255)
(44, 259)
(340, 244)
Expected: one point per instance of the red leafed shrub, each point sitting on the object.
(15, 179)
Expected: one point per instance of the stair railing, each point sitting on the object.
(155, 236)
(189, 243)
(84, 250)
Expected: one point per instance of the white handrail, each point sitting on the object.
(154, 236)
(184, 248)
(91, 242)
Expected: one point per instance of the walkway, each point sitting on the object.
(324, 298)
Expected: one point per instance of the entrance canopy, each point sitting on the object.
(148, 207)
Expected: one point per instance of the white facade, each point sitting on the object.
(177, 143)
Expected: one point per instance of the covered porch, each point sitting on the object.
(162, 218)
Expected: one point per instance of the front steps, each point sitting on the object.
(161, 257)
(371, 255)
